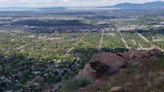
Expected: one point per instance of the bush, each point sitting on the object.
(74, 84)
(162, 63)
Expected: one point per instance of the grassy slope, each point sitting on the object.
(147, 78)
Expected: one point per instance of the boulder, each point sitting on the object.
(107, 62)
(103, 63)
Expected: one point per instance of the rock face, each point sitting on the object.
(141, 54)
(103, 63)
(106, 63)
(88, 72)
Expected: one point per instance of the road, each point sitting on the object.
(123, 40)
(146, 40)
(101, 40)
(69, 50)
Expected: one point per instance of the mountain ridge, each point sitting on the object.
(149, 5)
(31, 8)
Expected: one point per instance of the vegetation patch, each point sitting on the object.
(162, 63)
(74, 84)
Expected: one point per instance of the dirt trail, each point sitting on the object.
(69, 50)
(101, 40)
(123, 40)
(146, 40)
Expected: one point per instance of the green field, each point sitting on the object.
(60, 46)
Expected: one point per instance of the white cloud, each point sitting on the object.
(44, 3)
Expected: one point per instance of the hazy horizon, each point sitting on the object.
(66, 3)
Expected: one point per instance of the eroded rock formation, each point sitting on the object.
(106, 63)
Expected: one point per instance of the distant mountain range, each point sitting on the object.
(150, 5)
(30, 9)
(53, 8)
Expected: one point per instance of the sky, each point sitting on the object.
(66, 3)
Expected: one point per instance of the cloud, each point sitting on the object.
(45, 3)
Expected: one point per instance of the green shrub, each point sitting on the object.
(162, 63)
(74, 84)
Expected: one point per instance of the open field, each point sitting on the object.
(59, 46)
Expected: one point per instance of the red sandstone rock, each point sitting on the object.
(102, 64)
(106, 63)
(88, 72)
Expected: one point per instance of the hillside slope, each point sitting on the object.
(132, 71)
(144, 72)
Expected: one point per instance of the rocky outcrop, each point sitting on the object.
(142, 54)
(106, 63)
(103, 63)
